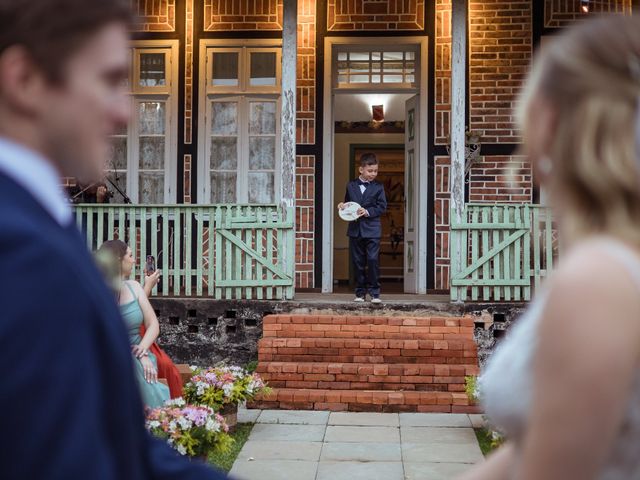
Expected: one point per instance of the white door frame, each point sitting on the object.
(328, 170)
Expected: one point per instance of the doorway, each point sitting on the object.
(360, 78)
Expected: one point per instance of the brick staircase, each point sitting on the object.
(367, 363)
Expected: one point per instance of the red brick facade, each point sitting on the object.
(375, 15)
(501, 38)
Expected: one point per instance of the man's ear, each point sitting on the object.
(22, 83)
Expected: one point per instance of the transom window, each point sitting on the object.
(240, 143)
(142, 157)
(376, 67)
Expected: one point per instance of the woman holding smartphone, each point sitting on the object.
(137, 311)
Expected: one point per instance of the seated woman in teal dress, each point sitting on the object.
(136, 310)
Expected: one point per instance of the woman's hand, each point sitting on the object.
(150, 372)
(139, 351)
(150, 281)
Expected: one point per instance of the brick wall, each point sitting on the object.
(221, 15)
(560, 13)
(305, 218)
(154, 15)
(375, 15)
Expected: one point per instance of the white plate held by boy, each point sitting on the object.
(350, 211)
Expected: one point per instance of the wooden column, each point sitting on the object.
(458, 101)
(288, 119)
(288, 130)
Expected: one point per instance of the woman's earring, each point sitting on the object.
(545, 166)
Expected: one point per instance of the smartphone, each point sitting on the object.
(151, 264)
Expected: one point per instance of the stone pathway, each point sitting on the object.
(315, 445)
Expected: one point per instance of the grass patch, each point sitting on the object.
(485, 440)
(224, 461)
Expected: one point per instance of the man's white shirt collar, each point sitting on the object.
(36, 175)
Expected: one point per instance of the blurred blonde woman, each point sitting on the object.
(565, 384)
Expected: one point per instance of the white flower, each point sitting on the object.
(227, 389)
(181, 450)
(185, 423)
(212, 425)
(176, 402)
(154, 424)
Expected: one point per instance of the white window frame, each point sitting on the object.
(243, 93)
(377, 48)
(167, 93)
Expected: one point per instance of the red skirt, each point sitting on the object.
(166, 368)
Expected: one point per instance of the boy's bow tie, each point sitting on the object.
(360, 182)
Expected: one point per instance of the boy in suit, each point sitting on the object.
(67, 372)
(365, 232)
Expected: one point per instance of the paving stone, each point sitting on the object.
(337, 433)
(434, 420)
(362, 419)
(299, 417)
(248, 416)
(361, 452)
(441, 435)
(359, 471)
(436, 452)
(273, 470)
(434, 471)
(279, 450)
(288, 433)
(477, 420)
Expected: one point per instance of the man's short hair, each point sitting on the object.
(53, 30)
(368, 159)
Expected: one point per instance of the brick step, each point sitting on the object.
(366, 401)
(185, 372)
(367, 327)
(455, 357)
(363, 376)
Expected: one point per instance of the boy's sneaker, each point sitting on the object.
(359, 299)
(376, 300)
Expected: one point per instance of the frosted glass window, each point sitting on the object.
(151, 187)
(151, 152)
(261, 187)
(262, 153)
(224, 118)
(263, 69)
(120, 179)
(151, 116)
(223, 187)
(152, 70)
(118, 154)
(262, 118)
(224, 153)
(358, 56)
(225, 69)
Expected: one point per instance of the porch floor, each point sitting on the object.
(387, 299)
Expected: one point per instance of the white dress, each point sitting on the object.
(506, 385)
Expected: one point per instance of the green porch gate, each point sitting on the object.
(217, 251)
(506, 252)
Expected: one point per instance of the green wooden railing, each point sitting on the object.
(507, 251)
(216, 251)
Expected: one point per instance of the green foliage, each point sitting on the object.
(471, 387)
(489, 440)
(224, 460)
(251, 366)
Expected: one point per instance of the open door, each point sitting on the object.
(411, 185)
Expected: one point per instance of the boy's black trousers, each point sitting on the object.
(365, 253)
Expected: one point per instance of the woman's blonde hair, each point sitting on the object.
(590, 76)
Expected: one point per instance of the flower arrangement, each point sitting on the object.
(222, 385)
(193, 430)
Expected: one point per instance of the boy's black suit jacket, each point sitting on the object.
(374, 201)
